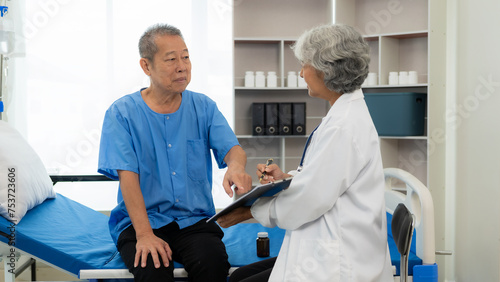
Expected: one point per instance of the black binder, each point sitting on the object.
(299, 118)
(271, 119)
(285, 118)
(258, 119)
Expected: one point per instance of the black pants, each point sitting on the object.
(255, 272)
(198, 247)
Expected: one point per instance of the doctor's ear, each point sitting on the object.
(146, 65)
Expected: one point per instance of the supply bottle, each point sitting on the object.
(249, 79)
(260, 79)
(291, 79)
(262, 244)
(272, 79)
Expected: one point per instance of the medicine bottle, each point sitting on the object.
(260, 79)
(249, 79)
(291, 79)
(262, 244)
(403, 77)
(272, 79)
(393, 78)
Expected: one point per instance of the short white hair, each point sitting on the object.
(339, 52)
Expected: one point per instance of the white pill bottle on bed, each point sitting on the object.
(262, 244)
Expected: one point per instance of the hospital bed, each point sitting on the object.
(75, 239)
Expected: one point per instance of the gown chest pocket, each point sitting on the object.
(197, 160)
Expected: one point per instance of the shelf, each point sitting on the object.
(405, 137)
(270, 40)
(271, 136)
(399, 35)
(269, 88)
(396, 86)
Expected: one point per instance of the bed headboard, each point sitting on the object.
(418, 200)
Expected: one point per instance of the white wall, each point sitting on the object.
(476, 121)
(73, 58)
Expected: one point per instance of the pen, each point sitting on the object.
(269, 162)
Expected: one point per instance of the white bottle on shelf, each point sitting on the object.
(291, 79)
(393, 78)
(412, 77)
(403, 77)
(260, 79)
(272, 79)
(249, 79)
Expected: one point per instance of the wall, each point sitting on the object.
(474, 121)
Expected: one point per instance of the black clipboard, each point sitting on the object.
(265, 190)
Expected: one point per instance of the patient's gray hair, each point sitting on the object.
(147, 44)
(339, 52)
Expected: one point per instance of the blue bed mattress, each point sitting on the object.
(82, 240)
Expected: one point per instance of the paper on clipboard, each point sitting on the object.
(264, 190)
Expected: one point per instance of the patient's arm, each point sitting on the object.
(236, 160)
(147, 242)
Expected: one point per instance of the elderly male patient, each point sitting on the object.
(157, 142)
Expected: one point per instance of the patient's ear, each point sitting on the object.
(145, 65)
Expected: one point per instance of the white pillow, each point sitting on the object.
(24, 182)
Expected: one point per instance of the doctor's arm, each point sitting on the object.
(147, 241)
(236, 160)
(315, 190)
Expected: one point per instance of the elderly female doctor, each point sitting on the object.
(334, 210)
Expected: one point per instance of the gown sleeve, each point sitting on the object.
(116, 151)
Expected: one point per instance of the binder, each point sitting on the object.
(258, 119)
(285, 118)
(299, 118)
(271, 118)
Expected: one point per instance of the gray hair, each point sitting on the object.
(339, 52)
(147, 44)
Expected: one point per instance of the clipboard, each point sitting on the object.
(265, 190)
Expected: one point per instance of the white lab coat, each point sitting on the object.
(334, 209)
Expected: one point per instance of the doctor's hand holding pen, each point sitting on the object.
(266, 173)
(270, 172)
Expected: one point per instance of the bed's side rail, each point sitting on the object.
(78, 178)
(418, 200)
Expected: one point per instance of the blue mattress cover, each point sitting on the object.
(78, 241)
(82, 240)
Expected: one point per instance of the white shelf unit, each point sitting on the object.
(264, 31)
(397, 33)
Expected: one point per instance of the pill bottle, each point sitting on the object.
(262, 244)
(403, 77)
(260, 79)
(291, 79)
(249, 79)
(412, 77)
(272, 79)
(393, 78)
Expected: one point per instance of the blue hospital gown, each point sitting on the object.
(171, 154)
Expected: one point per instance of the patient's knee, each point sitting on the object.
(150, 273)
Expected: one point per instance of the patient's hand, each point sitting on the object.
(150, 244)
(236, 216)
